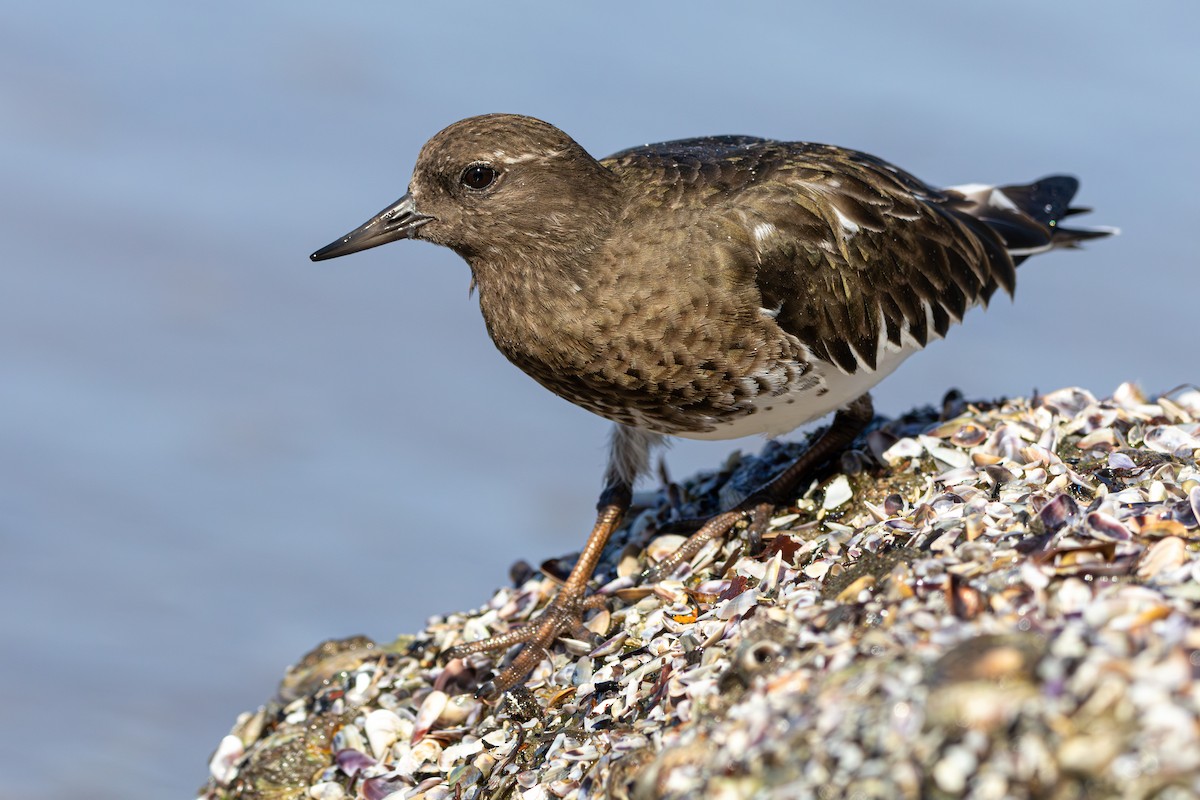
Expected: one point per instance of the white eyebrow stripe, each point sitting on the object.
(503, 157)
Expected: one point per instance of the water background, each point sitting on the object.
(214, 453)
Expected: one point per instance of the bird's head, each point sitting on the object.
(494, 187)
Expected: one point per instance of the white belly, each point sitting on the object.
(780, 414)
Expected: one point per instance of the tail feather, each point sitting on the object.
(1046, 200)
(1026, 216)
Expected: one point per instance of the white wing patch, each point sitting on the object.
(764, 231)
(984, 196)
(849, 228)
(771, 313)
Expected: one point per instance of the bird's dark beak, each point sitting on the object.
(397, 221)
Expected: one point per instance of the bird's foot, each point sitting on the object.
(565, 612)
(564, 615)
(758, 507)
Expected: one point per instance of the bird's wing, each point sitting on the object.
(850, 254)
(706, 166)
(859, 257)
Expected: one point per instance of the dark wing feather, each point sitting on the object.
(709, 166)
(864, 252)
(692, 152)
(858, 250)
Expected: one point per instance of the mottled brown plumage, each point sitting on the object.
(674, 287)
(708, 287)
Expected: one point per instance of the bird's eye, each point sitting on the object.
(479, 176)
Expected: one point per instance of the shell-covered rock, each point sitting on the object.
(1002, 604)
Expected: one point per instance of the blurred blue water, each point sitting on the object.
(215, 453)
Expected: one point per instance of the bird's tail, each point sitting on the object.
(1027, 217)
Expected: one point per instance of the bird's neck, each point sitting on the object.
(535, 299)
(537, 280)
(546, 263)
(532, 306)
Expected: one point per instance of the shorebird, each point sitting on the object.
(707, 288)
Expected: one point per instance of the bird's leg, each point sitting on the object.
(629, 456)
(847, 424)
(565, 611)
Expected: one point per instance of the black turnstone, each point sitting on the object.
(708, 288)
